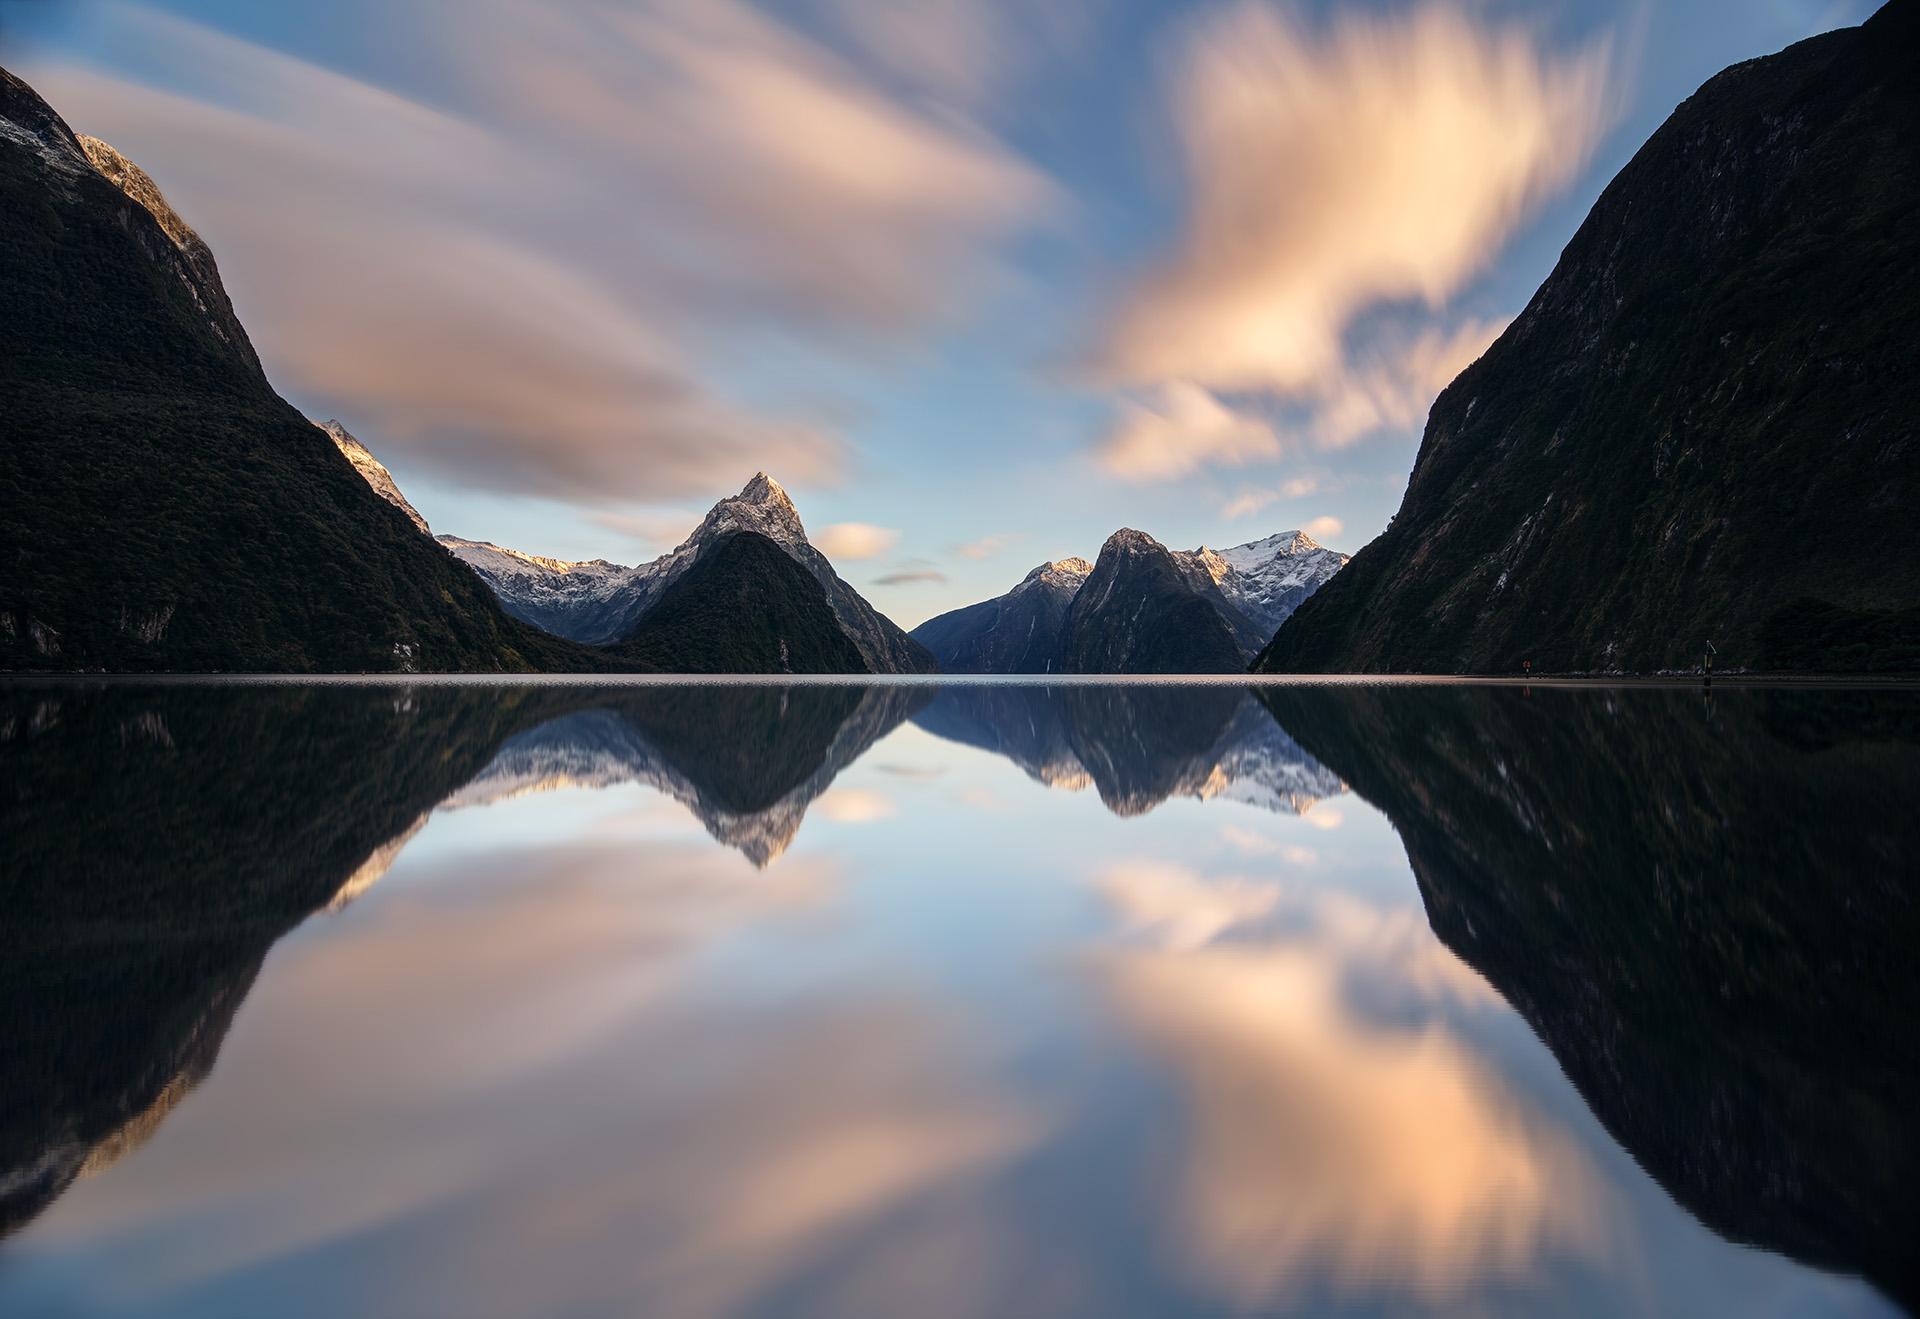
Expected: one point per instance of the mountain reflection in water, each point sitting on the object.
(959, 1047)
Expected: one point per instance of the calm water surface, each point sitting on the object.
(990, 1000)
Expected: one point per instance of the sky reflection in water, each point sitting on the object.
(1020, 1002)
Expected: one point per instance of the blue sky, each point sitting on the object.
(979, 280)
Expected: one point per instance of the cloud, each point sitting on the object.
(1380, 159)
(962, 51)
(1324, 529)
(1249, 500)
(785, 179)
(662, 530)
(1182, 428)
(913, 575)
(988, 546)
(855, 540)
(447, 276)
(1394, 385)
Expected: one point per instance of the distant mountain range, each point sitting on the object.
(602, 603)
(1140, 608)
(1705, 426)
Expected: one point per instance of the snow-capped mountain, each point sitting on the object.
(1261, 582)
(601, 603)
(583, 601)
(373, 471)
(1253, 588)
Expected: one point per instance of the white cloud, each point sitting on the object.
(447, 277)
(1393, 386)
(1324, 529)
(661, 531)
(1184, 427)
(855, 540)
(1248, 500)
(988, 546)
(1382, 159)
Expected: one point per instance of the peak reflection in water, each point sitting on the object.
(965, 1044)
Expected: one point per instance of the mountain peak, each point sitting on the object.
(762, 506)
(763, 489)
(371, 469)
(140, 188)
(1128, 540)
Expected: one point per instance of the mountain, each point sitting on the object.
(374, 472)
(1137, 746)
(1253, 587)
(602, 603)
(1705, 909)
(1706, 423)
(1140, 611)
(160, 507)
(1266, 580)
(1023, 631)
(744, 606)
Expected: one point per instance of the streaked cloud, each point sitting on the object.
(1379, 159)
(659, 531)
(1248, 500)
(443, 276)
(855, 540)
(1376, 162)
(988, 546)
(1179, 427)
(910, 576)
(1392, 385)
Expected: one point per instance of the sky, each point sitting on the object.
(979, 281)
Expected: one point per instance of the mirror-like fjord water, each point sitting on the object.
(994, 999)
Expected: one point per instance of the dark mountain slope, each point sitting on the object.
(1139, 613)
(1023, 631)
(1706, 424)
(160, 506)
(746, 606)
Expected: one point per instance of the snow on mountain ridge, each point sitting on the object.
(373, 471)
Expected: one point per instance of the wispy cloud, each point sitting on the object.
(661, 531)
(1248, 500)
(1379, 161)
(1179, 427)
(988, 546)
(456, 291)
(909, 577)
(855, 540)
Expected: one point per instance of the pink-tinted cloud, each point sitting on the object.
(1179, 427)
(552, 280)
(1385, 158)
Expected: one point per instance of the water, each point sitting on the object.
(994, 1000)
